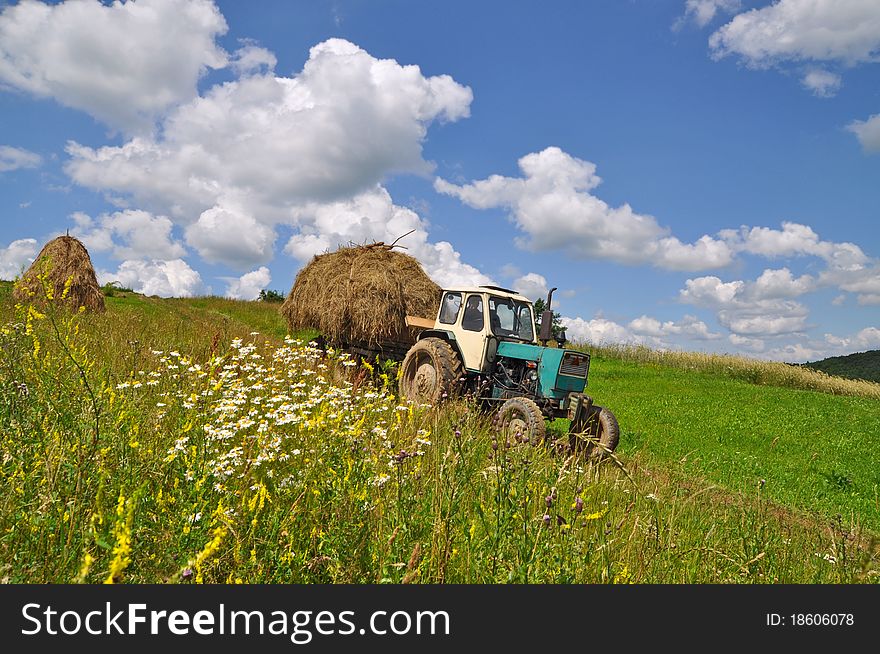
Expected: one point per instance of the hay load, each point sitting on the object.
(62, 261)
(359, 296)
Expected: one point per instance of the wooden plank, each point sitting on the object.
(421, 323)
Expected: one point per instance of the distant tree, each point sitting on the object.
(557, 327)
(270, 296)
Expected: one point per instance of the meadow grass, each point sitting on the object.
(804, 449)
(171, 441)
(753, 371)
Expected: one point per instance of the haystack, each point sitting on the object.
(62, 259)
(360, 296)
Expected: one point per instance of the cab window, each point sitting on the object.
(473, 314)
(450, 308)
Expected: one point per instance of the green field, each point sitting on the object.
(184, 441)
(816, 452)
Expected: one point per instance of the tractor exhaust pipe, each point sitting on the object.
(547, 320)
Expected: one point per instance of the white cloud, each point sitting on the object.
(123, 63)
(750, 309)
(689, 326)
(816, 349)
(142, 235)
(264, 150)
(847, 31)
(868, 132)
(822, 83)
(710, 291)
(841, 32)
(249, 285)
(232, 236)
(774, 284)
(251, 59)
(598, 331)
(14, 158)
(532, 285)
(268, 143)
(747, 343)
(793, 239)
(702, 12)
(372, 216)
(552, 204)
(172, 278)
(16, 257)
(866, 339)
(864, 281)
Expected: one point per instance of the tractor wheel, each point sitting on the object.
(430, 371)
(520, 419)
(601, 430)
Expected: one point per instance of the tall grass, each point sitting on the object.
(193, 454)
(755, 371)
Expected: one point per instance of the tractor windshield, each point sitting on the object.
(510, 318)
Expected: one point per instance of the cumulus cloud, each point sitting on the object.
(750, 309)
(820, 30)
(864, 281)
(232, 236)
(822, 83)
(866, 339)
(269, 143)
(17, 256)
(14, 158)
(689, 326)
(532, 285)
(249, 285)
(552, 204)
(747, 343)
(129, 234)
(307, 151)
(172, 278)
(251, 59)
(644, 330)
(702, 12)
(775, 284)
(373, 216)
(123, 63)
(867, 132)
(794, 239)
(818, 348)
(598, 331)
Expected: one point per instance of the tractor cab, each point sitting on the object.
(476, 320)
(483, 342)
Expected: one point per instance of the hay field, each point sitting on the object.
(185, 441)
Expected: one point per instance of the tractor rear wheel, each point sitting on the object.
(520, 419)
(430, 371)
(599, 434)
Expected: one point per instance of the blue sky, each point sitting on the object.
(686, 180)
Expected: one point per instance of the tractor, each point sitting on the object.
(483, 343)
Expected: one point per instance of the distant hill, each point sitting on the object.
(862, 365)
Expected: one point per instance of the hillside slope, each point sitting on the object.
(170, 439)
(861, 365)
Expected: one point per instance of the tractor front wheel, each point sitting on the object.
(430, 371)
(598, 435)
(520, 419)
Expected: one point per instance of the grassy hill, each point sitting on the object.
(187, 440)
(861, 365)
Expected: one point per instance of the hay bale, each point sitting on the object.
(62, 259)
(360, 296)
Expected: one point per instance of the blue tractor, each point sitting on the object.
(483, 342)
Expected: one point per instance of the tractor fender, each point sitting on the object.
(444, 334)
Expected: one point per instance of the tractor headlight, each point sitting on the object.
(533, 375)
